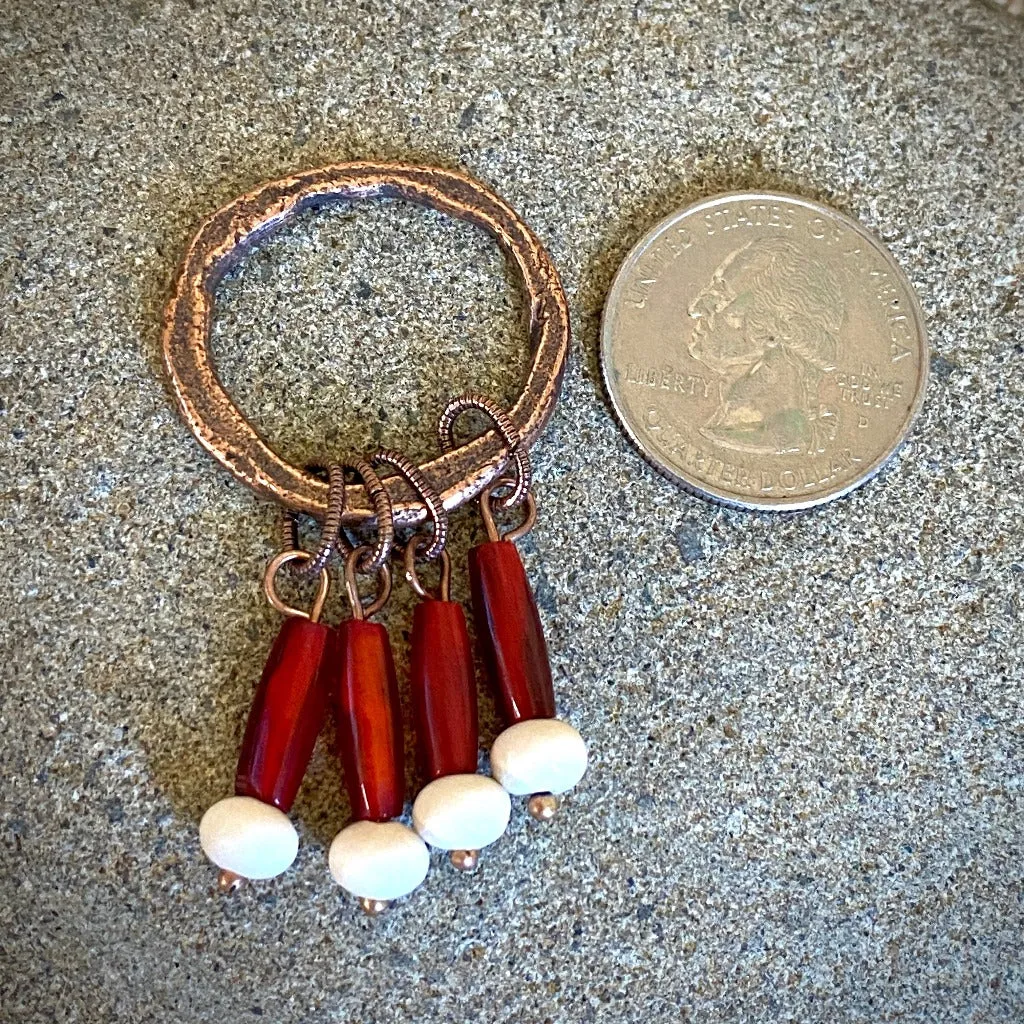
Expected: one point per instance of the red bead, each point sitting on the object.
(287, 715)
(443, 689)
(369, 721)
(511, 635)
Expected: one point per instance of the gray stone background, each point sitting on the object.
(805, 802)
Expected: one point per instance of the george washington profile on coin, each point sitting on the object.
(763, 350)
(768, 327)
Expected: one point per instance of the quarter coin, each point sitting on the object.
(764, 351)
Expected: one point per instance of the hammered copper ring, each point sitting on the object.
(234, 230)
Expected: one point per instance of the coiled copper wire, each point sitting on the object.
(384, 514)
(438, 514)
(506, 429)
(331, 537)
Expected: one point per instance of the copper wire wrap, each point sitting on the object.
(407, 468)
(372, 560)
(331, 537)
(506, 429)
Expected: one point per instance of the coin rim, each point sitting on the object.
(708, 491)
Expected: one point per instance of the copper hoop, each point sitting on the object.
(231, 232)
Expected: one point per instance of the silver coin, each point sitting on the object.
(764, 351)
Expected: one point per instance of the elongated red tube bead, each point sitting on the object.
(511, 636)
(443, 689)
(287, 715)
(370, 742)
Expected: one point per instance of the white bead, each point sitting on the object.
(378, 860)
(250, 838)
(461, 812)
(542, 755)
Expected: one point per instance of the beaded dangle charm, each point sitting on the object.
(458, 810)
(249, 834)
(537, 755)
(377, 857)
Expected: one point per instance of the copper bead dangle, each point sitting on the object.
(249, 834)
(458, 810)
(537, 755)
(375, 858)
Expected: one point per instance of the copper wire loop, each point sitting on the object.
(227, 235)
(373, 559)
(487, 513)
(506, 430)
(407, 468)
(444, 586)
(331, 537)
(270, 586)
(383, 572)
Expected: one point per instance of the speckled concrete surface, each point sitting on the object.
(805, 802)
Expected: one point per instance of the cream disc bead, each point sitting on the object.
(541, 755)
(248, 837)
(461, 812)
(378, 860)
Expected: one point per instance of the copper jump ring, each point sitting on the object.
(407, 468)
(487, 513)
(506, 429)
(270, 586)
(229, 234)
(444, 586)
(331, 537)
(353, 565)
